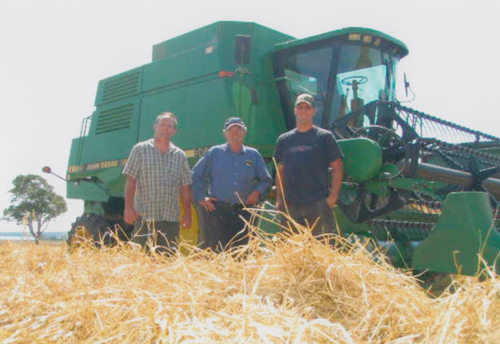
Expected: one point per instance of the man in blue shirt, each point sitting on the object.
(232, 173)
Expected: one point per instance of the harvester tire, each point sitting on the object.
(436, 283)
(89, 227)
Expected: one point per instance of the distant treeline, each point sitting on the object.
(27, 236)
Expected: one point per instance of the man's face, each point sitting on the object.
(165, 128)
(235, 134)
(304, 113)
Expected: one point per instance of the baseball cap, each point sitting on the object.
(234, 121)
(305, 98)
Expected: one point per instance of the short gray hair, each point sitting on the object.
(166, 115)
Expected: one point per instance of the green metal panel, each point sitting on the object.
(118, 87)
(181, 68)
(201, 110)
(271, 221)
(195, 40)
(73, 159)
(463, 232)
(347, 227)
(87, 191)
(113, 131)
(99, 185)
(362, 158)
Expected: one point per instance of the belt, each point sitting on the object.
(233, 206)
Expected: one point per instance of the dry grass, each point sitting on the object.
(289, 289)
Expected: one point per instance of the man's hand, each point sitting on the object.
(207, 203)
(337, 167)
(186, 221)
(252, 198)
(332, 200)
(130, 215)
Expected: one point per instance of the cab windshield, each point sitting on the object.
(342, 78)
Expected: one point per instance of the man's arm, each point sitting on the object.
(130, 213)
(337, 167)
(280, 187)
(264, 181)
(132, 171)
(185, 195)
(199, 175)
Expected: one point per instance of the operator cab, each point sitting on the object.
(344, 70)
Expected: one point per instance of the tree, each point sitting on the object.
(34, 201)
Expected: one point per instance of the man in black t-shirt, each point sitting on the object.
(304, 156)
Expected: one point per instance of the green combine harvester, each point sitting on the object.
(424, 184)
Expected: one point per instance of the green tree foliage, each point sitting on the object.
(34, 202)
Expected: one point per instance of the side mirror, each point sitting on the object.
(242, 49)
(407, 85)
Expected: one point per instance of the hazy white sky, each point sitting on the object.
(53, 53)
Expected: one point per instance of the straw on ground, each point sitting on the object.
(284, 289)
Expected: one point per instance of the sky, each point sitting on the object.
(54, 52)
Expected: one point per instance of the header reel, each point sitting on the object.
(454, 158)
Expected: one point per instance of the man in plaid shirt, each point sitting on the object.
(157, 174)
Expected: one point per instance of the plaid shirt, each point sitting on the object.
(159, 177)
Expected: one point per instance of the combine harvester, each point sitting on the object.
(424, 183)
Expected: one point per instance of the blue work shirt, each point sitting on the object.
(230, 176)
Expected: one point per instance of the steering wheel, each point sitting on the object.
(351, 79)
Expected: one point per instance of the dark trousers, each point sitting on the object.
(158, 236)
(225, 228)
(308, 214)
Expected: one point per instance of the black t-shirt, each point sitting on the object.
(306, 157)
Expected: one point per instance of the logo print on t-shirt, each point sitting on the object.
(300, 148)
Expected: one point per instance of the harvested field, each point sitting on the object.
(286, 289)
